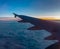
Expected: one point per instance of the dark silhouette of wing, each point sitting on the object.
(44, 24)
(39, 23)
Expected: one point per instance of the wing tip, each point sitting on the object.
(14, 15)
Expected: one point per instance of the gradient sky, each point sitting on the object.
(30, 7)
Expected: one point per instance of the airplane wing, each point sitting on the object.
(39, 23)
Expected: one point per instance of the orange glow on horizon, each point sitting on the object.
(50, 18)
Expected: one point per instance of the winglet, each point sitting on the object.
(15, 15)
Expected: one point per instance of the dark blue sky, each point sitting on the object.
(30, 7)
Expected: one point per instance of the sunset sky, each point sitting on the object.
(35, 8)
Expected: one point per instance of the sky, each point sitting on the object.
(34, 8)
